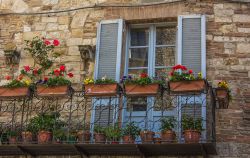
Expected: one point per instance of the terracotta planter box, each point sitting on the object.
(57, 91)
(192, 136)
(14, 92)
(139, 90)
(195, 86)
(99, 90)
(222, 96)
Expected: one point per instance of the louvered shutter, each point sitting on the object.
(104, 115)
(108, 49)
(108, 63)
(192, 53)
(192, 42)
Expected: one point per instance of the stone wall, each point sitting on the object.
(228, 48)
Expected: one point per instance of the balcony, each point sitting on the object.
(75, 112)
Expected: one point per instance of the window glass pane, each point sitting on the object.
(137, 104)
(165, 35)
(162, 72)
(139, 37)
(137, 71)
(165, 56)
(138, 57)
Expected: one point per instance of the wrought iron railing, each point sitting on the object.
(80, 116)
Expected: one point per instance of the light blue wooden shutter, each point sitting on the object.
(108, 49)
(192, 42)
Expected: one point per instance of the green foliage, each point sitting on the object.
(104, 81)
(113, 132)
(57, 81)
(39, 51)
(131, 129)
(16, 84)
(45, 121)
(59, 134)
(143, 79)
(167, 123)
(99, 129)
(189, 123)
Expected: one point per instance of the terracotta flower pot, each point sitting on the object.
(222, 96)
(141, 90)
(26, 137)
(192, 136)
(83, 136)
(195, 86)
(44, 137)
(114, 142)
(168, 136)
(58, 91)
(147, 136)
(12, 140)
(128, 139)
(100, 138)
(100, 89)
(14, 92)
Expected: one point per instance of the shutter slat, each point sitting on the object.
(108, 50)
(191, 43)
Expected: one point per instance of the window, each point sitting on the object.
(152, 48)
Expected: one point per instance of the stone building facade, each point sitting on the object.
(75, 22)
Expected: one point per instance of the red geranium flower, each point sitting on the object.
(47, 42)
(183, 68)
(62, 68)
(171, 73)
(7, 77)
(26, 68)
(35, 71)
(144, 75)
(190, 71)
(56, 72)
(70, 75)
(45, 78)
(56, 42)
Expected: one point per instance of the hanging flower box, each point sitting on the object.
(194, 86)
(58, 91)
(99, 90)
(223, 94)
(141, 90)
(14, 92)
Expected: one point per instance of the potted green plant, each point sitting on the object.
(183, 80)
(100, 87)
(72, 137)
(43, 125)
(27, 136)
(223, 94)
(99, 134)
(141, 85)
(59, 135)
(12, 136)
(167, 132)
(113, 133)
(130, 132)
(192, 128)
(57, 84)
(84, 135)
(147, 136)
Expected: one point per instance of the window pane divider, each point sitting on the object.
(134, 68)
(167, 45)
(138, 47)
